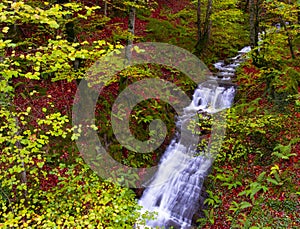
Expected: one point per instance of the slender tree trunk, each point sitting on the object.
(291, 47)
(257, 20)
(203, 35)
(252, 24)
(199, 20)
(290, 43)
(69, 26)
(131, 25)
(23, 173)
(105, 7)
(298, 16)
(128, 49)
(246, 5)
(298, 13)
(254, 8)
(207, 27)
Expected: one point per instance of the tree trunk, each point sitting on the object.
(298, 14)
(207, 25)
(253, 43)
(23, 174)
(254, 27)
(291, 46)
(105, 7)
(69, 26)
(199, 20)
(131, 25)
(290, 43)
(203, 35)
(128, 49)
(257, 20)
(246, 6)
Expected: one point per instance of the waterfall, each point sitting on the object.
(174, 191)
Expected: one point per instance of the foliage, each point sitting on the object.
(51, 58)
(250, 129)
(276, 53)
(228, 30)
(141, 115)
(43, 181)
(170, 31)
(81, 193)
(284, 152)
(253, 199)
(228, 15)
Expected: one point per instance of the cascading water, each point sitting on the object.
(175, 190)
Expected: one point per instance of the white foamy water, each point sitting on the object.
(175, 189)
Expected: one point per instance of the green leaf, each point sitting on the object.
(53, 24)
(273, 181)
(245, 204)
(40, 164)
(261, 176)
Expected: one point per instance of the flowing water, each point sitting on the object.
(175, 190)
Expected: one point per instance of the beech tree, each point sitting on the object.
(203, 25)
(255, 10)
(132, 6)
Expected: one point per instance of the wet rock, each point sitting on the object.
(173, 224)
(138, 192)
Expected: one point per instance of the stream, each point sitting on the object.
(175, 190)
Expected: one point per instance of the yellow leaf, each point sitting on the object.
(3, 18)
(5, 29)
